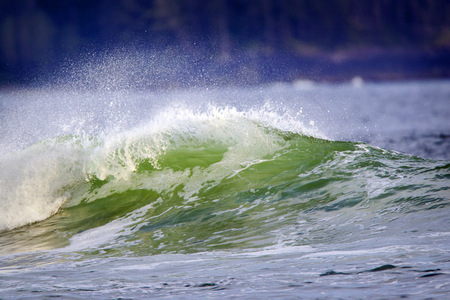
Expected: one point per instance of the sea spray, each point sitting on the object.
(37, 181)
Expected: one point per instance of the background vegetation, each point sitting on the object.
(250, 41)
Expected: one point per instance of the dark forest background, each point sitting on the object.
(229, 41)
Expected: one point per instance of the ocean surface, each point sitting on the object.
(300, 190)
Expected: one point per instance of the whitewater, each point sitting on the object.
(292, 190)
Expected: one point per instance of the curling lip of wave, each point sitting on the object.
(39, 180)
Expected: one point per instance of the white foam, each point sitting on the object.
(35, 183)
(278, 250)
(358, 252)
(102, 235)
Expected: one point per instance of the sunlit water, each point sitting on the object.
(296, 190)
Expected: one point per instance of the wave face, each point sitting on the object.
(221, 179)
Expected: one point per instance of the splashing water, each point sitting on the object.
(221, 192)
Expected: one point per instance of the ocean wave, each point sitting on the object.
(221, 178)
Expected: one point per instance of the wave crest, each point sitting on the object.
(219, 178)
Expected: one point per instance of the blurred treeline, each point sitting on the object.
(37, 35)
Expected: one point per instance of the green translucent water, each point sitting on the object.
(195, 196)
